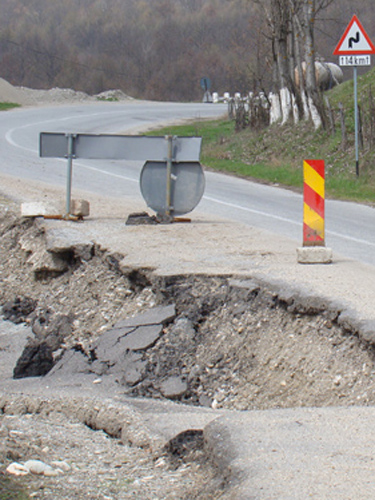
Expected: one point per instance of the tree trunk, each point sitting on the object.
(314, 98)
(280, 18)
(299, 90)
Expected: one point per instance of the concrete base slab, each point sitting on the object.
(314, 255)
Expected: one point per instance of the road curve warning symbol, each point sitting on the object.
(313, 202)
(355, 41)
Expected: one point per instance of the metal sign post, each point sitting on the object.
(70, 157)
(206, 85)
(168, 206)
(356, 120)
(355, 49)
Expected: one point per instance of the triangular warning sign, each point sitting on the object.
(355, 41)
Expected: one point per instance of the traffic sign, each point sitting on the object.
(355, 49)
(186, 186)
(205, 83)
(355, 41)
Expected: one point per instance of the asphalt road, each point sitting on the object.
(349, 226)
(296, 453)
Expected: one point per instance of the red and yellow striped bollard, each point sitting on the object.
(313, 202)
(314, 250)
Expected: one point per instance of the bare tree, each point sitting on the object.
(315, 101)
(279, 21)
(292, 27)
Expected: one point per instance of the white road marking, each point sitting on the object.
(285, 219)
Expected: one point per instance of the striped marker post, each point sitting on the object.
(314, 250)
(313, 202)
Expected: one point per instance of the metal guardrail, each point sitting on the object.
(119, 147)
(168, 150)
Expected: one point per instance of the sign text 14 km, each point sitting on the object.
(355, 60)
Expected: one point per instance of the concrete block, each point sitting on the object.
(39, 209)
(80, 208)
(314, 255)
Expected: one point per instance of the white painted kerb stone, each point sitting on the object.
(38, 209)
(314, 255)
(78, 208)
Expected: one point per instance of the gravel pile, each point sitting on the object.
(31, 97)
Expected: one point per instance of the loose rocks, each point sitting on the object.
(173, 388)
(19, 309)
(40, 468)
(36, 360)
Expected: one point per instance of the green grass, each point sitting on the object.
(5, 106)
(275, 155)
(107, 99)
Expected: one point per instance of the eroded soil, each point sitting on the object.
(235, 343)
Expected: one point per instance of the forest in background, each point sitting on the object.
(152, 49)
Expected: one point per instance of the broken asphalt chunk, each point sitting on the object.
(157, 315)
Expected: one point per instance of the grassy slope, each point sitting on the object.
(276, 154)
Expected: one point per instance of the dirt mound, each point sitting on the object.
(31, 97)
(9, 93)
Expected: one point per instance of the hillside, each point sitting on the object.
(152, 49)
